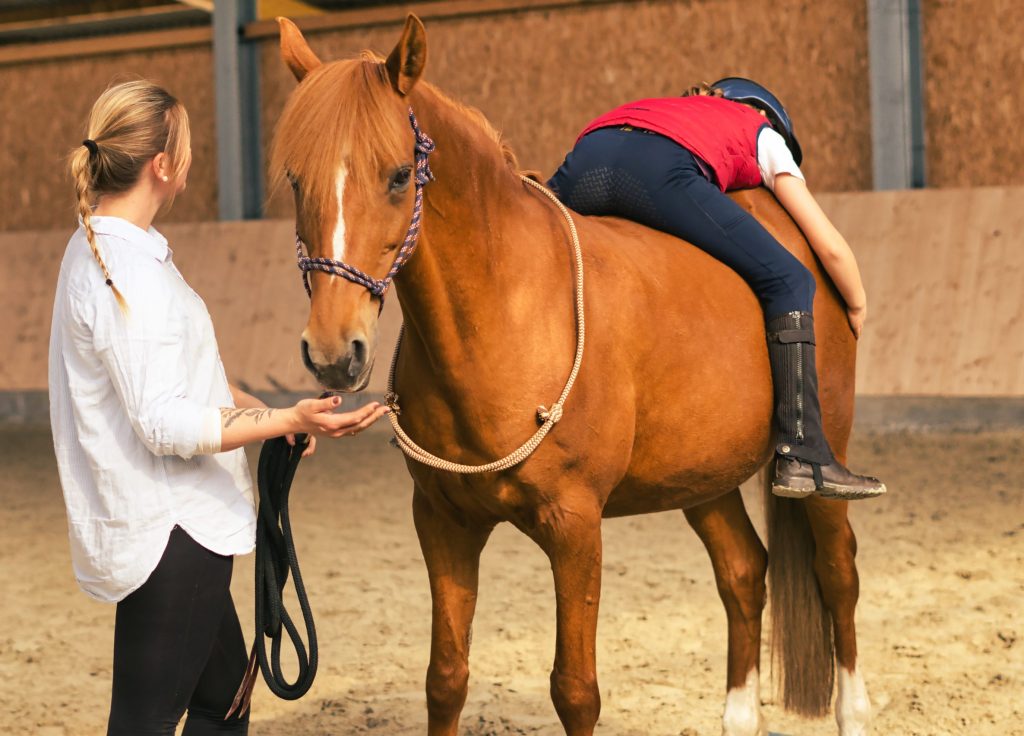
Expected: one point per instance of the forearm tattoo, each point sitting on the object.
(228, 416)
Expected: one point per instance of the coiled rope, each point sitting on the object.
(275, 559)
(548, 417)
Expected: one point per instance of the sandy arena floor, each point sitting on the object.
(940, 620)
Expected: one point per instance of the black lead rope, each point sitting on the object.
(275, 559)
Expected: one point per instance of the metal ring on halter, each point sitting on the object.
(378, 287)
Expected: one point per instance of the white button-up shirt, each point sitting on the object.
(135, 413)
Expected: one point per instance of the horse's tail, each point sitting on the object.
(801, 629)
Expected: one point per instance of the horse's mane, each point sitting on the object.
(477, 117)
(345, 110)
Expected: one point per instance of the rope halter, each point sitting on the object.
(378, 287)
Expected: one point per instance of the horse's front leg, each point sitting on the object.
(571, 537)
(452, 554)
(836, 570)
(740, 562)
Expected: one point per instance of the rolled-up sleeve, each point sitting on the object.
(143, 351)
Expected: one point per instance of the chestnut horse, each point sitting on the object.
(672, 408)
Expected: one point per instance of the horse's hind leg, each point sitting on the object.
(572, 540)
(740, 563)
(452, 554)
(836, 570)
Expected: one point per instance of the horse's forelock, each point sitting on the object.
(342, 114)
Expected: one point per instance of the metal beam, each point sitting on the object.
(236, 75)
(897, 99)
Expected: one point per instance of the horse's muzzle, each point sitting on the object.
(349, 372)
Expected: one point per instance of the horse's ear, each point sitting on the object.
(406, 61)
(295, 51)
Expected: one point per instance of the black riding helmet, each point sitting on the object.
(739, 89)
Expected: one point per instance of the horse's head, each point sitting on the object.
(345, 144)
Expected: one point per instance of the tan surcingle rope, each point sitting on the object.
(548, 417)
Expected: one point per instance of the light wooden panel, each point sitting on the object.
(944, 272)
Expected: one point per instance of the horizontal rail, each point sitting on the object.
(195, 36)
(387, 15)
(100, 45)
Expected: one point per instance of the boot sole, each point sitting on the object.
(842, 493)
(851, 494)
(789, 492)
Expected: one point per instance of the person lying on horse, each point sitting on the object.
(668, 163)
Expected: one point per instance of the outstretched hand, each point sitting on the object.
(318, 417)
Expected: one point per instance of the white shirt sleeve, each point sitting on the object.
(774, 157)
(144, 356)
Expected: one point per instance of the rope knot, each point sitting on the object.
(554, 414)
(391, 399)
(423, 148)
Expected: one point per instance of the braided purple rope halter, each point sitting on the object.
(378, 287)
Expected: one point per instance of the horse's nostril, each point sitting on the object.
(357, 353)
(306, 360)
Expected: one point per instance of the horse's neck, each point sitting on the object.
(471, 251)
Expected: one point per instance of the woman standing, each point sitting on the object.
(147, 431)
(667, 163)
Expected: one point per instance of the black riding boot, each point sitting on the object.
(805, 463)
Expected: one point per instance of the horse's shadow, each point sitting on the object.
(341, 717)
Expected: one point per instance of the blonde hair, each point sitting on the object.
(130, 123)
(703, 90)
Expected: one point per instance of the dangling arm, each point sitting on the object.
(828, 244)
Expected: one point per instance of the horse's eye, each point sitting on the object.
(400, 180)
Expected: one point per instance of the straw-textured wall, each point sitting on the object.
(943, 270)
(974, 72)
(541, 76)
(44, 109)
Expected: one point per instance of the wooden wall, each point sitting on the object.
(44, 108)
(541, 74)
(974, 73)
(943, 270)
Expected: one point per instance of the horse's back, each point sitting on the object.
(683, 338)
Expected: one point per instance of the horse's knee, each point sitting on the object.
(741, 585)
(447, 685)
(577, 699)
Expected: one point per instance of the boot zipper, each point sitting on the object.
(799, 385)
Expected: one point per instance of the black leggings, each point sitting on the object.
(178, 645)
(655, 181)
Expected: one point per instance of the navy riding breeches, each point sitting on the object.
(652, 180)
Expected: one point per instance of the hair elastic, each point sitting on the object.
(94, 150)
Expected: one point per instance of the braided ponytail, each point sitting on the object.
(82, 172)
(130, 123)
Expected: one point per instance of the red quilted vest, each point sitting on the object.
(722, 133)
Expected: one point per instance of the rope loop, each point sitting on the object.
(547, 417)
